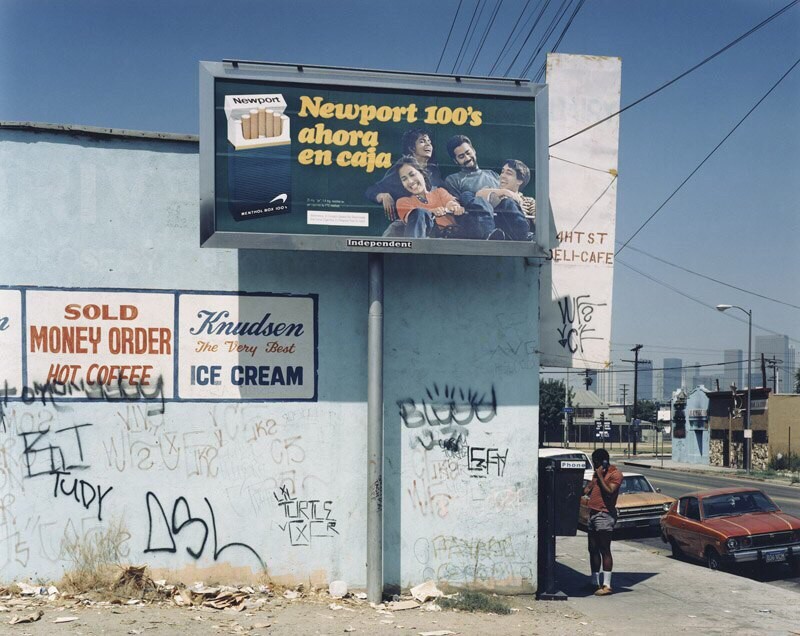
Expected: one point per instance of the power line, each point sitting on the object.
(698, 301)
(684, 367)
(684, 74)
(517, 23)
(472, 26)
(530, 33)
(708, 156)
(710, 278)
(540, 73)
(600, 196)
(469, 29)
(560, 13)
(447, 41)
(485, 35)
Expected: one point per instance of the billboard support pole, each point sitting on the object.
(375, 431)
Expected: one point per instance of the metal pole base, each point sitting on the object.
(552, 596)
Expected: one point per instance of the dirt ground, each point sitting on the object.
(315, 613)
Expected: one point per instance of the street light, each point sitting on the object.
(748, 426)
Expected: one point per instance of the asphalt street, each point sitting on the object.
(675, 484)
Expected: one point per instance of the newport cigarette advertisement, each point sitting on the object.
(374, 167)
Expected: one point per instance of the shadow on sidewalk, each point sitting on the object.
(577, 584)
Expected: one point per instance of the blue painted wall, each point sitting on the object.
(459, 492)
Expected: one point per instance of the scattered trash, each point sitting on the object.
(349, 629)
(335, 606)
(691, 616)
(403, 605)
(291, 594)
(438, 632)
(262, 625)
(134, 576)
(765, 611)
(29, 590)
(225, 600)
(432, 607)
(583, 623)
(28, 618)
(65, 619)
(425, 591)
(337, 589)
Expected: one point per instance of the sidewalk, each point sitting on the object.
(655, 594)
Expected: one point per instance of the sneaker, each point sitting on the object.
(591, 588)
(496, 235)
(603, 591)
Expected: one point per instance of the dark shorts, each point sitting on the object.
(601, 521)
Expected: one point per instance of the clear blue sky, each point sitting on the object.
(134, 65)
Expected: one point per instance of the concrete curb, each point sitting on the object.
(717, 473)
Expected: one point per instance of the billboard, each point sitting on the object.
(314, 158)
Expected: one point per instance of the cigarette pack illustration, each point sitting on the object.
(259, 166)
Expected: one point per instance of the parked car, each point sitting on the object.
(732, 526)
(569, 454)
(639, 505)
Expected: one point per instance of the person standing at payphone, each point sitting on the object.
(602, 492)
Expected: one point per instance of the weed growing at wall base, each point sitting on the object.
(475, 602)
(96, 558)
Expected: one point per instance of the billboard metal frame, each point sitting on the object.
(356, 78)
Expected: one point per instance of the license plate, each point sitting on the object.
(775, 556)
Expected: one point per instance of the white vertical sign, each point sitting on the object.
(576, 283)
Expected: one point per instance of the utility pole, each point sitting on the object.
(773, 363)
(636, 363)
(565, 442)
(624, 389)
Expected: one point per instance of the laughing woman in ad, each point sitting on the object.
(415, 143)
(433, 212)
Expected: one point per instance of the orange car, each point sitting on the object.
(730, 526)
(639, 505)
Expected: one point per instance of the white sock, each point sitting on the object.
(596, 578)
(606, 579)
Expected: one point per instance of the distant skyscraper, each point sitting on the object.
(733, 368)
(606, 387)
(777, 347)
(673, 368)
(645, 381)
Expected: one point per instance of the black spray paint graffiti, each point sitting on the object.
(450, 411)
(483, 461)
(79, 490)
(305, 519)
(576, 316)
(181, 518)
(49, 392)
(52, 457)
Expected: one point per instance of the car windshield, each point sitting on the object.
(633, 484)
(737, 503)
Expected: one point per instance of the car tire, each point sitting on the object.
(713, 560)
(677, 553)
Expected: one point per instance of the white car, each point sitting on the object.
(568, 454)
